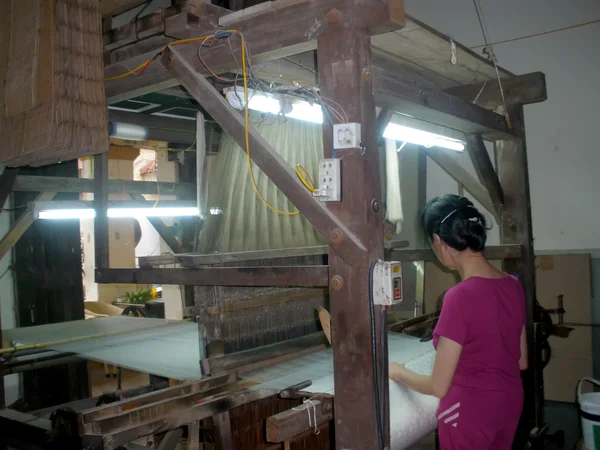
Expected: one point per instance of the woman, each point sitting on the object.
(479, 338)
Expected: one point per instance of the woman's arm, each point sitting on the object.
(438, 383)
(524, 359)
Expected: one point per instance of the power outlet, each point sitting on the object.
(330, 180)
(387, 283)
(346, 135)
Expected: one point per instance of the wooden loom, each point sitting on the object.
(390, 60)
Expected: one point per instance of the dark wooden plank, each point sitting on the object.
(521, 89)
(444, 159)
(383, 119)
(346, 76)
(232, 361)
(162, 229)
(516, 228)
(289, 424)
(303, 276)
(20, 430)
(113, 7)
(293, 27)
(485, 171)
(496, 252)
(33, 183)
(101, 207)
(7, 181)
(222, 436)
(274, 166)
(407, 96)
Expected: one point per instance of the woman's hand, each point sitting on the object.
(397, 372)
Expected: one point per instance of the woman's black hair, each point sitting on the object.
(456, 221)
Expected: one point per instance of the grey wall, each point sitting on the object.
(564, 155)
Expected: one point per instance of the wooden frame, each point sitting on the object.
(350, 225)
(344, 39)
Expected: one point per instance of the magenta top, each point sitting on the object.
(485, 316)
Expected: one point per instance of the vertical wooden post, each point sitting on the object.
(101, 207)
(516, 228)
(7, 180)
(346, 76)
(222, 436)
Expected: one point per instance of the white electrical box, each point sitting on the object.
(387, 283)
(330, 181)
(346, 135)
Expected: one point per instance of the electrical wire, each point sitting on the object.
(543, 33)
(247, 134)
(490, 50)
(305, 178)
(376, 386)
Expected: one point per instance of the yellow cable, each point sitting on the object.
(247, 133)
(305, 178)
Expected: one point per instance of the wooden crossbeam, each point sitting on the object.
(415, 99)
(485, 171)
(294, 26)
(303, 276)
(34, 183)
(286, 425)
(521, 89)
(340, 237)
(443, 159)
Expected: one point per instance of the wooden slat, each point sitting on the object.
(222, 436)
(485, 171)
(113, 7)
(288, 424)
(406, 96)
(294, 26)
(500, 252)
(273, 165)
(29, 183)
(521, 89)
(303, 276)
(443, 159)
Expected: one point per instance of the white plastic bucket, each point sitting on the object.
(589, 410)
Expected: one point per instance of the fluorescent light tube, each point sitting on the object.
(424, 138)
(270, 104)
(90, 213)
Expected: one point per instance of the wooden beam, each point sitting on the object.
(264, 354)
(383, 119)
(101, 207)
(307, 276)
(346, 76)
(20, 227)
(443, 159)
(521, 89)
(274, 166)
(494, 252)
(485, 171)
(162, 229)
(222, 436)
(410, 97)
(289, 424)
(516, 228)
(29, 183)
(294, 27)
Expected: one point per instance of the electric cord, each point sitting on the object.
(376, 387)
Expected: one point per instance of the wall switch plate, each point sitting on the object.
(346, 135)
(330, 180)
(387, 283)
